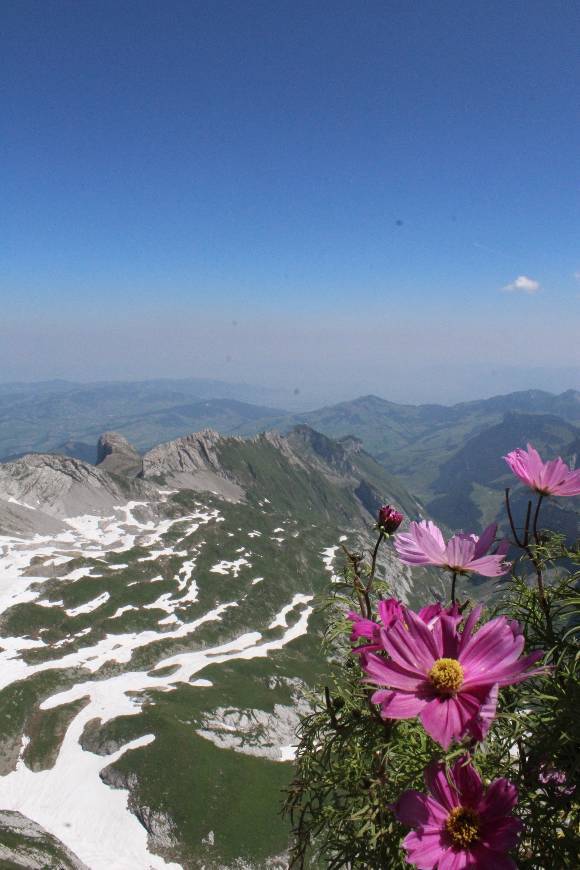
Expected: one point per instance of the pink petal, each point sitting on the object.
(444, 719)
(487, 860)
(570, 486)
(416, 809)
(502, 835)
(430, 612)
(513, 673)
(398, 705)
(485, 540)
(414, 656)
(424, 848)
(362, 627)
(470, 624)
(452, 860)
(488, 566)
(500, 799)
(384, 672)
(468, 783)
(481, 722)
(439, 786)
(493, 644)
(459, 551)
(449, 637)
(423, 544)
(420, 635)
(390, 610)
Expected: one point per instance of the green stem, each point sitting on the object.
(536, 516)
(381, 538)
(453, 584)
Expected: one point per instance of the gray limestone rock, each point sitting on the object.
(116, 455)
(25, 844)
(192, 462)
(38, 490)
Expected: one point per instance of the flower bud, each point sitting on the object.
(389, 519)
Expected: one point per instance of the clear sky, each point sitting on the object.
(345, 197)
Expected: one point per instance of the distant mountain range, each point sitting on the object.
(447, 456)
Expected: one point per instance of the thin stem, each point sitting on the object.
(510, 517)
(330, 709)
(381, 538)
(525, 546)
(453, 582)
(527, 525)
(359, 587)
(536, 516)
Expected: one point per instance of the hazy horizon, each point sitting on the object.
(295, 399)
(325, 198)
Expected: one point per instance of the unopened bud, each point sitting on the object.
(389, 519)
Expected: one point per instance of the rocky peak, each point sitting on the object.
(319, 446)
(62, 486)
(192, 462)
(351, 444)
(116, 455)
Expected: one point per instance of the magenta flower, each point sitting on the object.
(389, 519)
(547, 478)
(423, 544)
(390, 610)
(556, 780)
(460, 825)
(449, 678)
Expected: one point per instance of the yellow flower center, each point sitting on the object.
(462, 826)
(446, 676)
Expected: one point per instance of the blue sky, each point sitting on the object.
(292, 193)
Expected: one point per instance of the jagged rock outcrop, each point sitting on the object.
(39, 489)
(192, 462)
(25, 844)
(116, 455)
(64, 487)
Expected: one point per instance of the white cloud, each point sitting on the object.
(523, 284)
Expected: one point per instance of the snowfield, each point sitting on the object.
(69, 799)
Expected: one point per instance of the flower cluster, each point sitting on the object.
(446, 666)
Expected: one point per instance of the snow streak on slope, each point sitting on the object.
(88, 816)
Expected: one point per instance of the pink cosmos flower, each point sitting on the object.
(459, 825)
(423, 544)
(391, 611)
(555, 780)
(449, 678)
(389, 519)
(547, 478)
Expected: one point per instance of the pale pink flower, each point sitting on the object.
(547, 478)
(449, 678)
(459, 825)
(424, 544)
